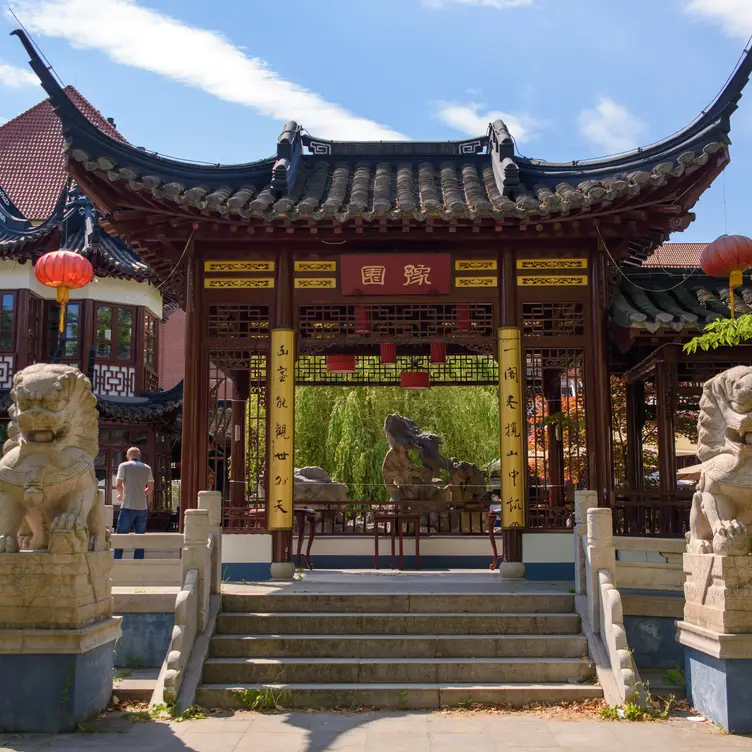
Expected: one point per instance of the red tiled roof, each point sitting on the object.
(32, 163)
(676, 256)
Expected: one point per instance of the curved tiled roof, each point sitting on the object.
(32, 158)
(676, 256)
(74, 225)
(652, 304)
(312, 179)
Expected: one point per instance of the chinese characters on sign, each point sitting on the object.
(396, 274)
(512, 429)
(282, 415)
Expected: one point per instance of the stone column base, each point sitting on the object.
(718, 668)
(55, 678)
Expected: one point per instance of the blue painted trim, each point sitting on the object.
(559, 571)
(249, 571)
(541, 571)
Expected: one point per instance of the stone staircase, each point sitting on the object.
(399, 651)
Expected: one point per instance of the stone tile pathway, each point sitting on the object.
(386, 732)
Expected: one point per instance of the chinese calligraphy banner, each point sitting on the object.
(513, 429)
(279, 486)
(396, 274)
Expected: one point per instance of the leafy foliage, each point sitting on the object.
(342, 428)
(722, 333)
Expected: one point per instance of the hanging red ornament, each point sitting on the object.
(340, 364)
(388, 353)
(415, 380)
(65, 271)
(462, 314)
(438, 352)
(362, 320)
(728, 256)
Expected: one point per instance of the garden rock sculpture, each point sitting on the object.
(413, 467)
(314, 485)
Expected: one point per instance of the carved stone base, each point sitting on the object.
(718, 592)
(55, 678)
(40, 590)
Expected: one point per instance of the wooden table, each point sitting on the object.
(301, 515)
(395, 520)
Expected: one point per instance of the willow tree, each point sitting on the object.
(342, 428)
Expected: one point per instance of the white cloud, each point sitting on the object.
(467, 119)
(146, 39)
(735, 16)
(16, 78)
(612, 126)
(497, 4)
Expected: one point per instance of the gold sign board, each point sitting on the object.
(476, 282)
(238, 266)
(551, 280)
(309, 283)
(282, 430)
(225, 283)
(513, 429)
(315, 266)
(477, 265)
(544, 264)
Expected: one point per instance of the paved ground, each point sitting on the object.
(389, 732)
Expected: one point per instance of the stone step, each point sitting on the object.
(401, 646)
(398, 623)
(380, 670)
(384, 603)
(134, 685)
(392, 695)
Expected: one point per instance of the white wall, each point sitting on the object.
(17, 276)
(247, 549)
(547, 548)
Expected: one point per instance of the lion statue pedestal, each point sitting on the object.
(717, 628)
(57, 631)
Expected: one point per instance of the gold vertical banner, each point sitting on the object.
(281, 431)
(513, 429)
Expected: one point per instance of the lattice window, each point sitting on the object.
(238, 322)
(232, 373)
(114, 381)
(7, 320)
(556, 445)
(553, 319)
(6, 371)
(326, 326)
(310, 370)
(151, 381)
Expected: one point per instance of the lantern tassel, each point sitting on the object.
(735, 279)
(62, 298)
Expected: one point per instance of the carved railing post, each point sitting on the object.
(600, 555)
(211, 501)
(196, 556)
(583, 501)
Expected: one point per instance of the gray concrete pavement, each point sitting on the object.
(387, 732)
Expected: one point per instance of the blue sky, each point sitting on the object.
(571, 78)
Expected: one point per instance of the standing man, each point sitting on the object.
(135, 484)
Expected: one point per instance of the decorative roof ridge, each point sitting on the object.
(378, 149)
(26, 229)
(72, 118)
(11, 217)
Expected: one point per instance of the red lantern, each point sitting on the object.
(415, 380)
(388, 353)
(65, 271)
(728, 256)
(438, 352)
(340, 364)
(362, 320)
(463, 318)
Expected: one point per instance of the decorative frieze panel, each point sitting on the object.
(308, 283)
(545, 264)
(464, 282)
(114, 380)
(6, 371)
(552, 280)
(315, 266)
(230, 283)
(475, 265)
(238, 266)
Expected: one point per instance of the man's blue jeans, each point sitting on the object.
(127, 519)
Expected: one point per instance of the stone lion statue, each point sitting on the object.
(722, 504)
(48, 488)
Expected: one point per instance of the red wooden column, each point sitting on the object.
(22, 331)
(635, 407)
(511, 537)
(281, 438)
(191, 458)
(665, 395)
(238, 445)
(599, 389)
